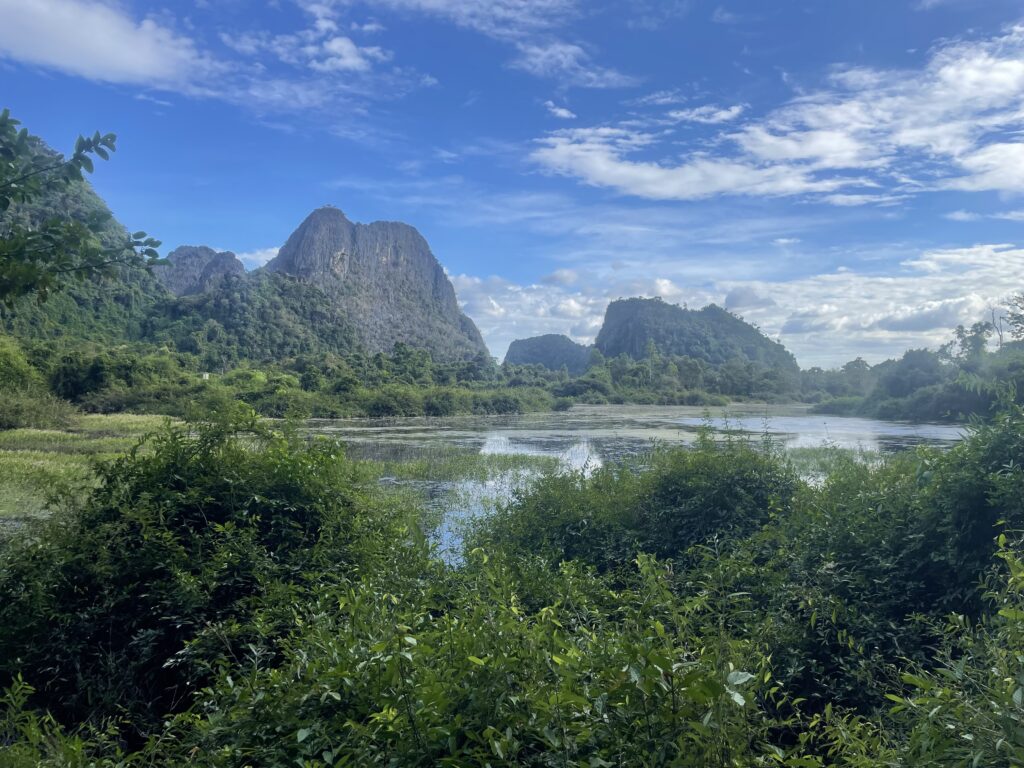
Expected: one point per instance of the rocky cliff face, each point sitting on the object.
(711, 334)
(385, 280)
(195, 269)
(552, 350)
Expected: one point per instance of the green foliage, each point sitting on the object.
(118, 604)
(39, 252)
(22, 404)
(673, 501)
(703, 607)
(26, 409)
(961, 380)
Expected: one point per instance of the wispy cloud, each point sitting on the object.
(975, 216)
(531, 26)
(708, 114)
(870, 137)
(599, 156)
(562, 113)
(567, 63)
(501, 19)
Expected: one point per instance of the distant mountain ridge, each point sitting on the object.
(552, 350)
(632, 326)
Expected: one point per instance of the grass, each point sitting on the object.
(450, 463)
(37, 465)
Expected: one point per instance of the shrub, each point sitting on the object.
(35, 410)
(120, 604)
(681, 497)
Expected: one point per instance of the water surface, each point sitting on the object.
(588, 436)
(599, 433)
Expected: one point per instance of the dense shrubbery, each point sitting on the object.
(119, 606)
(706, 607)
(960, 380)
(671, 502)
(23, 399)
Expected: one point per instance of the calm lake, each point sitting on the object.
(599, 433)
(589, 436)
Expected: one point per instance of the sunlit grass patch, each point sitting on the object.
(119, 424)
(28, 479)
(38, 464)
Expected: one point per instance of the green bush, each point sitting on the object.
(119, 605)
(35, 410)
(679, 498)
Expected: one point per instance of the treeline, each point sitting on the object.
(234, 596)
(143, 379)
(44, 379)
(664, 379)
(962, 378)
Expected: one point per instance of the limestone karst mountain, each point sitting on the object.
(712, 334)
(384, 279)
(552, 350)
(195, 269)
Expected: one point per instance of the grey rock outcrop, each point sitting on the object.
(385, 280)
(195, 269)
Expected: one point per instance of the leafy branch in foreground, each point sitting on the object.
(37, 256)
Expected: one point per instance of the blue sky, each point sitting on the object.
(847, 175)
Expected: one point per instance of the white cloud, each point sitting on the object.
(962, 216)
(341, 54)
(997, 166)
(659, 98)
(496, 18)
(709, 115)
(562, 277)
(257, 258)
(102, 42)
(848, 201)
(869, 137)
(723, 16)
(529, 25)
(598, 157)
(562, 113)
(312, 69)
(784, 241)
(825, 319)
(567, 63)
(974, 216)
(369, 27)
(745, 297)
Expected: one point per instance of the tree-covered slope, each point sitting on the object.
(260, 317)
(711, 334)
(92, 308)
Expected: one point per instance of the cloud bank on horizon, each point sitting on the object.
(851, 179)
